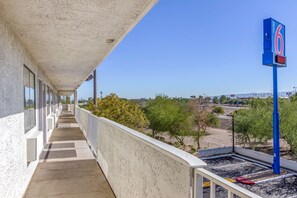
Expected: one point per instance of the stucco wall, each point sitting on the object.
(14, 171)
(136, 165)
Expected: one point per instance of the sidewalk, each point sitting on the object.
(67, 167)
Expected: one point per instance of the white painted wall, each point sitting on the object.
(15, 174)
(136, 165)
(251, 154)
(89, 126)
(215, 151)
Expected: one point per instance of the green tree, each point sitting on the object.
(223, 99)
(168, 115)
(200, 99)
(181, 101)
(122, 111)
(181, 126)
(160, 114)
(293, 97)
(201, 118)
(288, 124)
(253, 126)
(215, 100)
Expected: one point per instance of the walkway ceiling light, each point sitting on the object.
(110, 40)
(90, 77)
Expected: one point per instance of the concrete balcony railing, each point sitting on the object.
(137, 165)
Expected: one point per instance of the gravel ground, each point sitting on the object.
(229, 167)
(285, 187)
(214, 162)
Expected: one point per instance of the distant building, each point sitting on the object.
(258, 95)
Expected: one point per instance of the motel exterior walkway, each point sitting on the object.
(131, 164)
(49, 48)
(67, 167)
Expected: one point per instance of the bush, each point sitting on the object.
(218, 110)
(121, 111)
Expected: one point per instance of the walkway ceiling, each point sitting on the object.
(68, 39)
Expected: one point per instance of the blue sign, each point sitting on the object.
(275, 55)
(274, 44)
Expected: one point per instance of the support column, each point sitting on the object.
(75, 101)
(95, 89)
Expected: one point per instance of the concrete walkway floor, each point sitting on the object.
(67, 167)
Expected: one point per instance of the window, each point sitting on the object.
(29, 99)
(47, 100)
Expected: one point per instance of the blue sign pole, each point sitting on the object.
(275, 56)
(276, 155)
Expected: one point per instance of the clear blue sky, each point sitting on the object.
(195, 47)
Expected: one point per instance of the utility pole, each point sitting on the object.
(233, 131)
(233, 136)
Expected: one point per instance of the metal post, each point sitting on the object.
(233, 136)
(95, 89)
(276, 156)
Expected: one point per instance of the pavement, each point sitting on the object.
(67, 167)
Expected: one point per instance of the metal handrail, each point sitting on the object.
(214, 179)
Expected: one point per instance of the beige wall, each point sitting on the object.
(14, 171)
(136, 165)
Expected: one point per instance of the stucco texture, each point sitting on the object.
(137, 169)
(14, 171)
(68, 39)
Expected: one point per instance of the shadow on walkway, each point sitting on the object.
(67, 167)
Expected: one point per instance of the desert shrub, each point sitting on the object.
(253, 126)
(218, 110)
(288, 124)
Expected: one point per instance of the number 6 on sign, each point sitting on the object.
(279, 41)
(274, 44)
